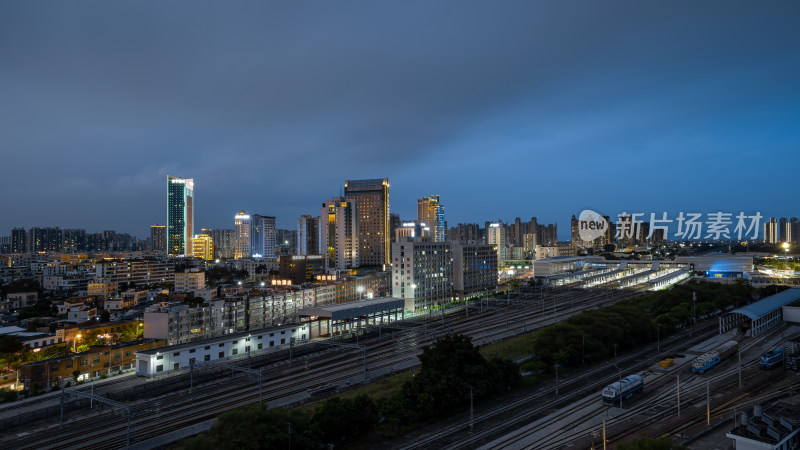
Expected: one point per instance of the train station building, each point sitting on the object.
(350, 317)
(760, 316)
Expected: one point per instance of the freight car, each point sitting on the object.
(710, 359)
(622, 389)
(772, 359)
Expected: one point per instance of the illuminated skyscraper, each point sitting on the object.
(371, 198)
(431, 213)
(242, 230)
(180, 215)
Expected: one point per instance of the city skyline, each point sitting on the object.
(509, 110)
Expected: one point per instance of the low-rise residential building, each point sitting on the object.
(190, 279)
(17, 300)
(102, 287)
(82, 313)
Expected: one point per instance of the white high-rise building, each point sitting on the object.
(422, 272)
(338, 234)
(262, 236)
(496, 235)
(242, 231)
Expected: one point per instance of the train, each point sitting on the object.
(710, 359)
(622, 389)
(772, 359)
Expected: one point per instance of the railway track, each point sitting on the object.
(488, 321)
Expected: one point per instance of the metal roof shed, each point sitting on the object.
(765, 313)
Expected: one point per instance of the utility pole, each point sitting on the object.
(471, 411)
(604, 434)
(290, 434)
(738, 352)
(708, 405)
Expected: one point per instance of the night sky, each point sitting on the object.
(504, 109)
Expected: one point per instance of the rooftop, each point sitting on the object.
(769, 304)
(348, 310)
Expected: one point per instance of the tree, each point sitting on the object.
(10, 344)
(450, 369)
(256, 427)
(339, 419)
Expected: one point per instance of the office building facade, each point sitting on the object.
(180, 215)
(431, 212)
(422, 272)
(371, 201)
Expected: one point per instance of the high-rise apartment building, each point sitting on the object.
(785, 230)
(771, 231)
(431, 212)
(422, 272)
(158, 238)
(224, 242)
(73, 240)
(241, 226)
(203, 247)
(307, 235)
(19, 240)
(371, 202)
(180, 215)
(496, 236)
(338, 234)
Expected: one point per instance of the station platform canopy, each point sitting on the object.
(351, 310)
(764, 314)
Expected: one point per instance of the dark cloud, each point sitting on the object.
(504, 109)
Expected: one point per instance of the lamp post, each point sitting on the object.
(360, 290)
(74, 341)
(786, 253)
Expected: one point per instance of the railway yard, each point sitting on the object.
(137, 412)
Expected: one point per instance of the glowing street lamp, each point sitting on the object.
(360, 290)
(75, 341)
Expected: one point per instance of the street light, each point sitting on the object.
(75, 341)
(786, 253)
(360, 290)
